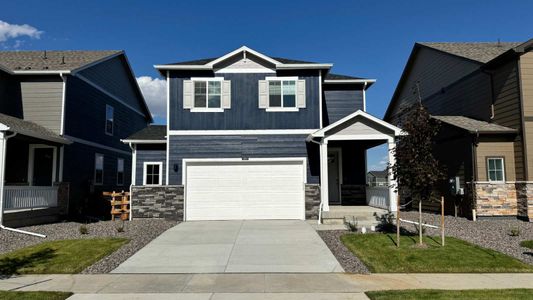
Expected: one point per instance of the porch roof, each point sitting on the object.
(347, 129)
(23, 127)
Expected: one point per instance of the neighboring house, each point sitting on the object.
(62, 116)
(482, 94)
(255, 137)
(377, 178)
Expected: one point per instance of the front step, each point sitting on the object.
(363, 216)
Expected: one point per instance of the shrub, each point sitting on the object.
(351, 225)
(84, 229)
(514, 231)
(121, 227)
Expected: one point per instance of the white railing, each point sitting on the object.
(377, 196)
(27, 197)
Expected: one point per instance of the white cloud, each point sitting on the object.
(154, 91)
(9, 31)
(380, 165)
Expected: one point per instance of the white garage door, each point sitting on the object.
(239, 190)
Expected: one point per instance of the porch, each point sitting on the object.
(31, 187)
(343, 173)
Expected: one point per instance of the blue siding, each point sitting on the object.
(113, 75)
(341, 101)
(256, 146)
(244, 112)
(149, 155)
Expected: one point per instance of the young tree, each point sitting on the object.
(416, 170)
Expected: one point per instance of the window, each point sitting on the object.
(282, 93)
(207, 94)
(98, 169)
(495, 169)
(153, 173)
(109, 119)
(120, 171)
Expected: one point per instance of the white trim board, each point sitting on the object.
(160, 164)
(242, 132)
(93, 144)
(168, 129)
(144, 141)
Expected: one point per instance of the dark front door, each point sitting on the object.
(43, 166)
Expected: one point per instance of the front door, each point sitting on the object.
(43, 166)
(333, 177)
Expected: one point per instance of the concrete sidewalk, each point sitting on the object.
(275, 286)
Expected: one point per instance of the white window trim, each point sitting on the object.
(112, 122)
(123, 171)
(207, 109)
(283, 109)
(31, 160)
(160, 164)
(103, 167)
(488, 170)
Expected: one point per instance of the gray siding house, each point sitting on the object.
(62, 116)
(251, 136)
(481, 93)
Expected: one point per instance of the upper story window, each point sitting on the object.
(207, 94)
(98, 169)
(495, 169)
(120, 171)
(109, 119)
(282, 94)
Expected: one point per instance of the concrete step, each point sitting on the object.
(342, 222)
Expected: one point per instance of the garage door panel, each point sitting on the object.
(245, 190)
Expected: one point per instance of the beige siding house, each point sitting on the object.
(482, 95)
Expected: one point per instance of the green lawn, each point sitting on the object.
(58, 257)
(527, 244)
(8, 295)
(380, 254)
(515, 294)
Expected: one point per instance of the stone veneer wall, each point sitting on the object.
(312, 201)
(157, 202)
(504, 199)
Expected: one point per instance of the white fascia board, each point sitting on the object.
(322, 132)
(242, 49)
(242, 132)
(126, 141)
(4, 127)
(183, 67)
(41, 72)
(340, 81)
(303, 66)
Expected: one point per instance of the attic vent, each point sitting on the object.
(63, 60)
(27, 68)
(18, 68)
(45, 67)
(44, 55)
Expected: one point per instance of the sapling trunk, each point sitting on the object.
(420, 221)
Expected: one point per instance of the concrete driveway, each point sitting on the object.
(270, 246)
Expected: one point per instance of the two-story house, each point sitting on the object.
(482, 95)
(250, 136)
(62, 116)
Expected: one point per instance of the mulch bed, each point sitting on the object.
(349, 262)
(139, 231)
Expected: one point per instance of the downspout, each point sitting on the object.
(3, 170)
(321, 203)
(132, 177)
(364, 96)
(475, 142)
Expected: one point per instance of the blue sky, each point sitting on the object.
(362, 38)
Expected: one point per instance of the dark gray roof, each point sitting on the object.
(203, 61)
(474, 126)
(481, 52)
(52, 60)
(331, 76)
(151, 133)
(31, 129)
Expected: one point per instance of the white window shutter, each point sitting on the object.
(187, 94)
(226, 94)
(300, 93)
(263, 94)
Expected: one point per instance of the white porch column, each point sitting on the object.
(324, 194)
(393, 195)
(3, 141)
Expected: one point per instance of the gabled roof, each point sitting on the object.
(322, 132)
(474, 126)
(9, 123)
(382, 174)
(150, 134)
(478, 51)
(209, 63)
(50, 61)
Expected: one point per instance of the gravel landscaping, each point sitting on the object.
(139, 231)
(349, 262)
(489, 233)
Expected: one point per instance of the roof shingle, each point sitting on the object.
(51, 60)
(152, 132)
(474, 126)
(481, 52)
(31, 129)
